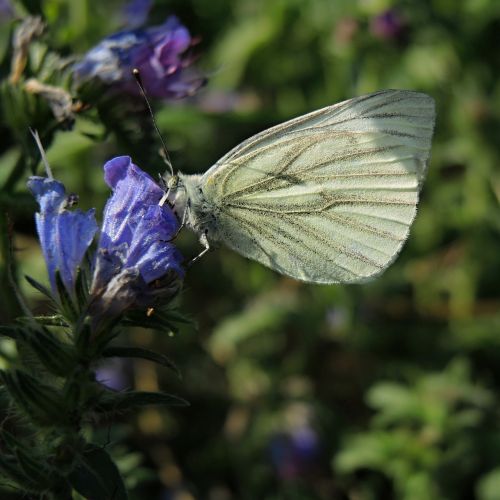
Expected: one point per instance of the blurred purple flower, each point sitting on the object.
(136, 12)
(294, 453)
(6, 11)
(387, 25)
(294, 450)
(64, 234)
(112, 373)
(135, 263)
(157, 52)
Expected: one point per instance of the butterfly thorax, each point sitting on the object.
(201, 215)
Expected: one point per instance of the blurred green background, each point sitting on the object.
(387, 390)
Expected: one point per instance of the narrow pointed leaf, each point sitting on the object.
(124, 401)
(53, 354)
(163, 320)
(139, 352)
(11, 469)
(36, 470)
(56, 356)
(38, 286)
(41, 403)
(96, 476)
(12, 332)
(54, 320)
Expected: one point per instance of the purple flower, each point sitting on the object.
(6, 11)
(64, 234)
(294, 454)
(387, 25)
(294, 451)
(135, 263)
(135, 12)
(157, 52)
(113, 373)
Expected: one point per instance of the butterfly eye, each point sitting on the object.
(173, 182)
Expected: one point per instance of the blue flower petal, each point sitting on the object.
(135, 260)
(64, 235)
(50, 194)
(134, 192)
(151, 251)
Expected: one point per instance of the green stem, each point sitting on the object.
(14, 176)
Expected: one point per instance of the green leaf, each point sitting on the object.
(41, 288)
(34, 469)
(54, 320)
(103, 338)
(488, 487)
(139, 352)
(10, 469)
(96, 476)
(82, 334)
(115, 402)
(40, 402)
(12, 332)
(56, 356)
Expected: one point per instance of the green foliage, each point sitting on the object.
(423, 433)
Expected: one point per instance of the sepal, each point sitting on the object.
(67, 304)
(164, 320)
(82, 286)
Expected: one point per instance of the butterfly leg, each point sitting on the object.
(181, 225)
(207, 248)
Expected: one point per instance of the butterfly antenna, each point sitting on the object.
(164, 151)
(38, 142)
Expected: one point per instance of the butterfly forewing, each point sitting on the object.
(330, 196)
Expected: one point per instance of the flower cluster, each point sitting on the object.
(158, 53)
(135, 263)
(64, 234)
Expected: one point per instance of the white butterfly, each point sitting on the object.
(327, 197)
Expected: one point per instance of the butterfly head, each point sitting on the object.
(173, 182)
